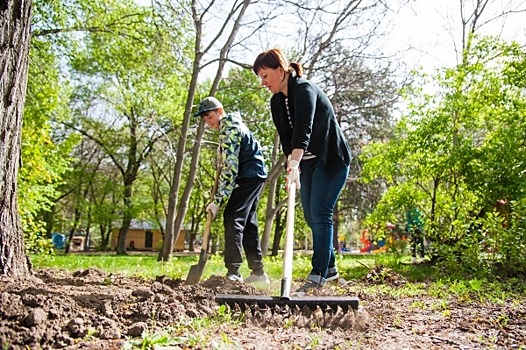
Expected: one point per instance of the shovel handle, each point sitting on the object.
(209, 218)
(206, 234)
(289, 243)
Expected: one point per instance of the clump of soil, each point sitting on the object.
(92, 309)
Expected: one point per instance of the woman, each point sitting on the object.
(313, 141)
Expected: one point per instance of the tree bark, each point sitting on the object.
(15, 19)
(272, 183)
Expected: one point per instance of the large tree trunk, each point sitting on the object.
(15, 19)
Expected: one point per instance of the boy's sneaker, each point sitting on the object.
(331, 276)
(307, 287)
(234, 277)
(414, 261)
(253, 278)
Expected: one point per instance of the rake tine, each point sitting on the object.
(336, 317)
(327, 317)
(347, 321)
(317, 316)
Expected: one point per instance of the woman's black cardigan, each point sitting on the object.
(315, 127)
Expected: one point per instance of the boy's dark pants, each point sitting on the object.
(241, 226)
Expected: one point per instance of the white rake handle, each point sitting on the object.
(289, 244)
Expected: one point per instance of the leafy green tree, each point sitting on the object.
(364, 94)
(91, 195)
(459, 151)
(129, 89)
(45, 146)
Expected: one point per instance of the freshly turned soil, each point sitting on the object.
(58, 309)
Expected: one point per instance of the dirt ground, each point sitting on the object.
(91, 309)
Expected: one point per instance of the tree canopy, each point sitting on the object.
(459, 154)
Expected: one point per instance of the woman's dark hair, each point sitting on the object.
(273, 59)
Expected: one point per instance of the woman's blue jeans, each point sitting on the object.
(319, 193)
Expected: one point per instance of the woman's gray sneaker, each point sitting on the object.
(331, 276)
(307, 287)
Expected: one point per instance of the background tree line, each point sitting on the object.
(108, 134)
(131, 75)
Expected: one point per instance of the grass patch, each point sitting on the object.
(128, 265)
(178, 267)
(422, 279)
(191, 333)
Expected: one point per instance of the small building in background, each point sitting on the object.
(77, 244)
(145, 237)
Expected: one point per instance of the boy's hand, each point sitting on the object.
(214, 209)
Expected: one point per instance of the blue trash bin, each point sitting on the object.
(58, 240)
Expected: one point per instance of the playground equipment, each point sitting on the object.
(378, 246)
(365, 241)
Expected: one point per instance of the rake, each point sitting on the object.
(285, 299)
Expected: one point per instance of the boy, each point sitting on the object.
(240, 183)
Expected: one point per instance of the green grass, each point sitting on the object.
(178, 266)
(131, 265)
(188, 332)
(422, 279)
(147, 266)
